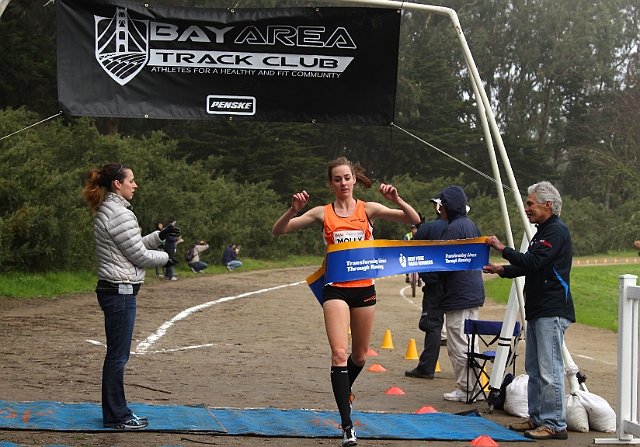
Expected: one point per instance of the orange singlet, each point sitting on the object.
(356, 227)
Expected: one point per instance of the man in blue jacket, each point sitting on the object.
(459, 293)
(432, 316)
(229, 257)
(549, 310)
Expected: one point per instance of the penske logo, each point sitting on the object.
(231, 105)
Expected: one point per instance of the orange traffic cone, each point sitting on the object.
(371, 353)
(394, 390)
(412, 352)
(484, 441)
(387, 343)
(426, 409)
(376, 368)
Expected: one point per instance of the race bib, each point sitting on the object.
(348, 236)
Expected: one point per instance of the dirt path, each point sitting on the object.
(257, 340)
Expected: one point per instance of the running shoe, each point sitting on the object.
(460, 395)
(140, 418)
(131, 424)
(456, 395)
(349, 437)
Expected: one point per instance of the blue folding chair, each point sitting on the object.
(487, 332)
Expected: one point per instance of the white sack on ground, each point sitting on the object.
(577, 416)
(601, 415)
(516, 400)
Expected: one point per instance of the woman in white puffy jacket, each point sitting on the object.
(122, 255)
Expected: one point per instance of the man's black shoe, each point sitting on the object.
(416, 373)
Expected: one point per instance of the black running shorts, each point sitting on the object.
(353, 296)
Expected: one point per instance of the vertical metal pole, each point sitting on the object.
(515, 303)
(473, 70)
(494, 162)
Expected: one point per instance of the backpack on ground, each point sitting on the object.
(191, 253)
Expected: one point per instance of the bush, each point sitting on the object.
(45, 225)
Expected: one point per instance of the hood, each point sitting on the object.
(454, 202)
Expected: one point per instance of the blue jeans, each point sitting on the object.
(545, 366)
(169, 273)
(197, 266)
(119, 319)
(234, 264)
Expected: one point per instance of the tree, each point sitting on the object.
(606, 147)
(28, 69)
(540, 57)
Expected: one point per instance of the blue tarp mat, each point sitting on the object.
(87, 417)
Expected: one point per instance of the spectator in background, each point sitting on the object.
(170, 245)
(159, 227)
(637, 244)
(229, 257)
(196, 265)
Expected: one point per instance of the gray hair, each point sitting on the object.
(546, 192)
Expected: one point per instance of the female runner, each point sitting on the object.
(346, 304)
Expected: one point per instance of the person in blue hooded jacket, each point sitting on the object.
(432, 318)
(461, 293)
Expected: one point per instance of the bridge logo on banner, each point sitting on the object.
(295, 64)
(121, 45)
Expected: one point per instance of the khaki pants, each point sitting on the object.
(457, 342)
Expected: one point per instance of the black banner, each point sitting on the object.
(331, 65)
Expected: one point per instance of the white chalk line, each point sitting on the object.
(160, 351)
(406, 298)
(596, 360)
(143, 346)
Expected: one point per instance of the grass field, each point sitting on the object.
(24, 285)
(594, 288)
(594, 283)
